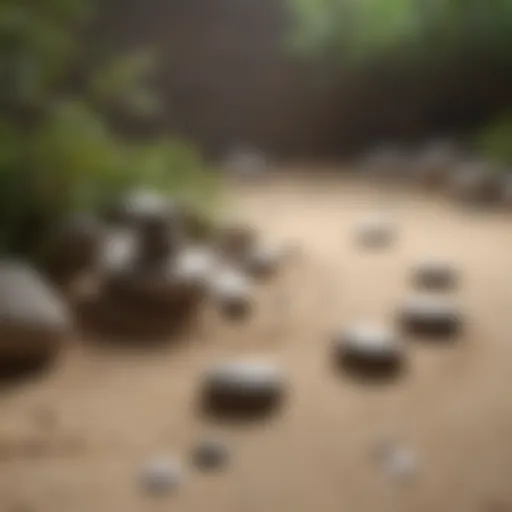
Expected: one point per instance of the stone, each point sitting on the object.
(34, 319)
(435, 275)
(375, 232)
(506, 190)
(476, 182)
(435, 163)
(385, 161)
(400, 463)
(74, 246)
(119, 248)
(243, 387)
(162, 475)
(235, 241)
(232, 291)
(432, 316)
(210, 454)
(264, 260)
(369, 348)
(246, 162)
(195, 265)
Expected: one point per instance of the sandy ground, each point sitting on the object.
(75, 438)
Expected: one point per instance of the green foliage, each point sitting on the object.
(495, 142)
(63, 157)
(362, 29)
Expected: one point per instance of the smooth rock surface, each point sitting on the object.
(430, 315)
(242, 387)
(210, 454)
(34, 319)
(375, 232)
(232, 291)
(368, 347)
(161, 475)
(435, 274)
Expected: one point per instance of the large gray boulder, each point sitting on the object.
(34, 320)
(244, 387)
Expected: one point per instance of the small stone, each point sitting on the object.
(435, 274)
(368, 348)
(264, 260)
(429, 315)
(232, 291)
(242, 387)
(195, 265)
(375, 232)
(400, 463)
(210, 454)
(162, 475)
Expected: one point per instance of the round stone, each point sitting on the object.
(375, 232)
(264, 260)
(232, 291)
(427, 315)
(242, 387)
(161, 475)
(210, 454)
(368, 347)
(435, 274)
(195, 265)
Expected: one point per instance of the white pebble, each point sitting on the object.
(161, 475)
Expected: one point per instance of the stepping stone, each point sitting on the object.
(368, 348)
(241, 388)
(375, 232)
(210, 454)
(232, 291)
(264, 260)
(432, 316)
(34, 320)
(161, 475)
(435, 275)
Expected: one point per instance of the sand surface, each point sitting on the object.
(74, 439)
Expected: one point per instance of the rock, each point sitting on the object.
(210, 454)
(162, 475)
(368, 348)
(386, 161)
(195, 265)
(236, 241)
(400, 463)
(435, 275)
(34, 320)
(242, 387)
(264, 260)
(476, 182)
(232, 291)
(375, 232)
(119, 249)
(506, 190)
(435, 163)
(428, 315)
(74, 246)
(246, 162)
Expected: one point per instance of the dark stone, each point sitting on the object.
(368, 349)
(435, 275)
(210, 454)
(431, 316)
(242, 388)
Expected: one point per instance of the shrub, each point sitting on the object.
(57, 152)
